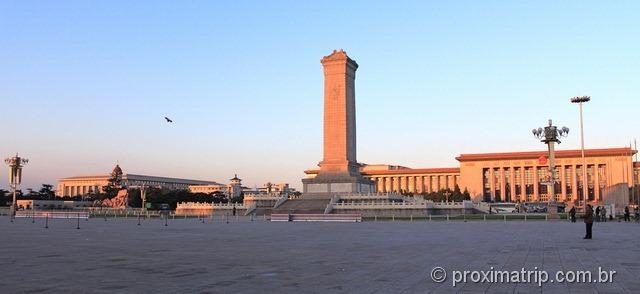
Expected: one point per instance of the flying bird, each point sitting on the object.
(168, 119)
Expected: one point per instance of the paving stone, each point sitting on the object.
(247, 257)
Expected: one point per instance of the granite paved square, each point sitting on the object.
(189, 256)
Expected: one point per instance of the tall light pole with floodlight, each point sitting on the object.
(551, 135)
(15, 177)
(580, 100)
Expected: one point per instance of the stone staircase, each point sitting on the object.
(306, 206)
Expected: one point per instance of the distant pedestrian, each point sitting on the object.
(234, 210)
(597, 213)
(637, 213)
(588, 221)
(572, 214)
(627, 216)
(603, 211)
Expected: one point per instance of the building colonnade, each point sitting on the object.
(414, 183)
(530, 183)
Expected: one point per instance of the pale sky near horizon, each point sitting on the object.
(86, 84)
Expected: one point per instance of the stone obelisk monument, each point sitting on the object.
(339, 170)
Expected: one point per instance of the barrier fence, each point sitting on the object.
(227, 217)
(467, 217)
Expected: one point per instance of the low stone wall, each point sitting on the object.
(451, 211)
(405, 212)
(260, 203)
(207, 209)
(208, 212)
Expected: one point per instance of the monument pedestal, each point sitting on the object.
(326, 186)
(552, 211)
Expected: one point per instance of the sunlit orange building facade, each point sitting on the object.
(517, 176)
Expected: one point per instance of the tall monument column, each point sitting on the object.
(339, 115)
(339, 169)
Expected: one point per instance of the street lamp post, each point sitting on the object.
(15, 178)
(550, 135)
(143, 196)
(447, 194)
(580, 100)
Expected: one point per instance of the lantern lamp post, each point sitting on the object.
(15, 178)
(551, 135)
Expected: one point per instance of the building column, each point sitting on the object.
(404, 185)
(447, 182)
(392, 186)
(420, 184)
(396, 184)
(574, 184)
(512, 183)
(503, 191)
(435, 182)
(596, 185)
(563, 182)
(388, 184)
(412, 184)
(424, 183)
(492, 185)
(536, 183)
(523, 185)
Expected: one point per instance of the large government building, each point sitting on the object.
(517, 176)
(82, 185)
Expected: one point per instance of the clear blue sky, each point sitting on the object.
(86, 84)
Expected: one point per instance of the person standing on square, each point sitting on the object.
(588, 221)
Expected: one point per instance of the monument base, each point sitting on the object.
(318, 191)
(552, 211)
(327, 187)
